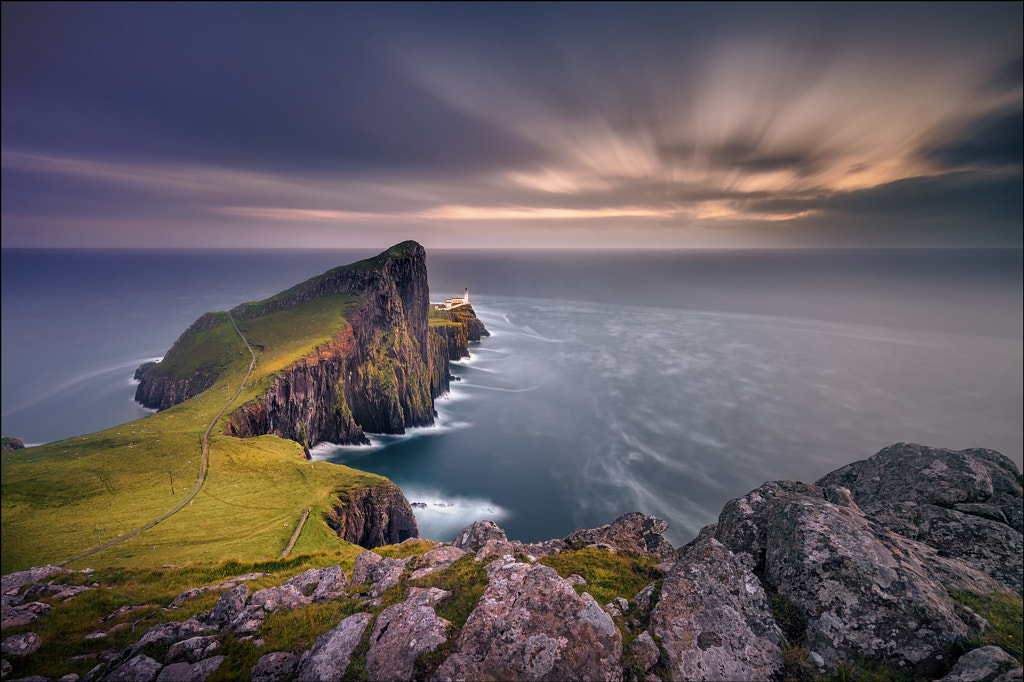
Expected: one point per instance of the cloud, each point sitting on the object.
(995, 139)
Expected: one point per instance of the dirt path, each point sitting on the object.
(202, 465)
(295, 535)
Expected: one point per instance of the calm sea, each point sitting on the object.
(664, 382)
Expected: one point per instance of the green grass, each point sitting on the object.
(63, 498)
(608, 575)
(1004, 612)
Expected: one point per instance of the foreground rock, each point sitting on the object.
(714, 619)
(531, 624)
(404, 631)
(864, 590)
(332, 651)
(633, 532)
(967, 503)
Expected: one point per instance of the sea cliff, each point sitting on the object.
(379, 374)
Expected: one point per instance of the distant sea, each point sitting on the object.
(664, 382)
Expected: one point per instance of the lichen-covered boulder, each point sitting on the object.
(141, 668)
(863, 589)
(473, 537)
(437, 559)
(714, 619)
(531, 624)
(21, 645)
(404, 631)
(283, 597)
(330, 655)
(190, 672)
(967, 503)
(981, 665)
(229, 606)
(328, 583)
(276, 667)
(378, 572)
(633, 532)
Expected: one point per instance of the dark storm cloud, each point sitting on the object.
(1008, 77)
(241, 85)
(996, 139)
(966, 195)
(499, 123)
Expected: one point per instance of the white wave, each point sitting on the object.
(503, 390)
(440, 516)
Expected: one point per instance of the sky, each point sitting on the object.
(664, 125)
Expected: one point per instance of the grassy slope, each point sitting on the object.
(54, 497)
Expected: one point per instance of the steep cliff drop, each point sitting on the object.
(379, 372)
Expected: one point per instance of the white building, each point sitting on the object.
(450, 303)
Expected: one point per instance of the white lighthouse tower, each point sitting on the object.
(450, 303)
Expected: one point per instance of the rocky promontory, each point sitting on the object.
(379, 374)
(794, 581)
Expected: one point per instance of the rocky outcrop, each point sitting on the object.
(530, 625)
(863, 590)
(404, 631)
(379, 374)
(967, 504)
(714, 619)
(458, 327)
(373, 516)
(633, 532)
(788, 567)
(9, 443)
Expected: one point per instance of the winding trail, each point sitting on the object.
(202, 466)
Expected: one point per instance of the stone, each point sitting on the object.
(24, 614)
(284, 597)
(473, 537)
(531, 624)
(981, 665)
(643, 598)
(193, 627)
(21, 645)
(249, 621)
(864, 590)
(14, 581)
(5, 667)
(436, 560)
(190, 672)
(329, 656)
(714, 619)
(968, 504)
(329, 582)
(139, 669)
(70, 677)
(644, 650)
(377, 572)
(577, 579)
(404, 631)
(164, 633)
(496, 548)
(276, 667)
(633, 532)
(1011, 675)
(229, 606)
(543, 549)
(189, 650)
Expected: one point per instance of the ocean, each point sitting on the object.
(661, 382)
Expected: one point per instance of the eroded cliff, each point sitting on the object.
(379, 374)
(373, 516)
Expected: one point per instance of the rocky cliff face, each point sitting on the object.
(372, 517)
(380, 374)
(794, 581)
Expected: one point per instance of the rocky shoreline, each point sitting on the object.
(866, 564)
